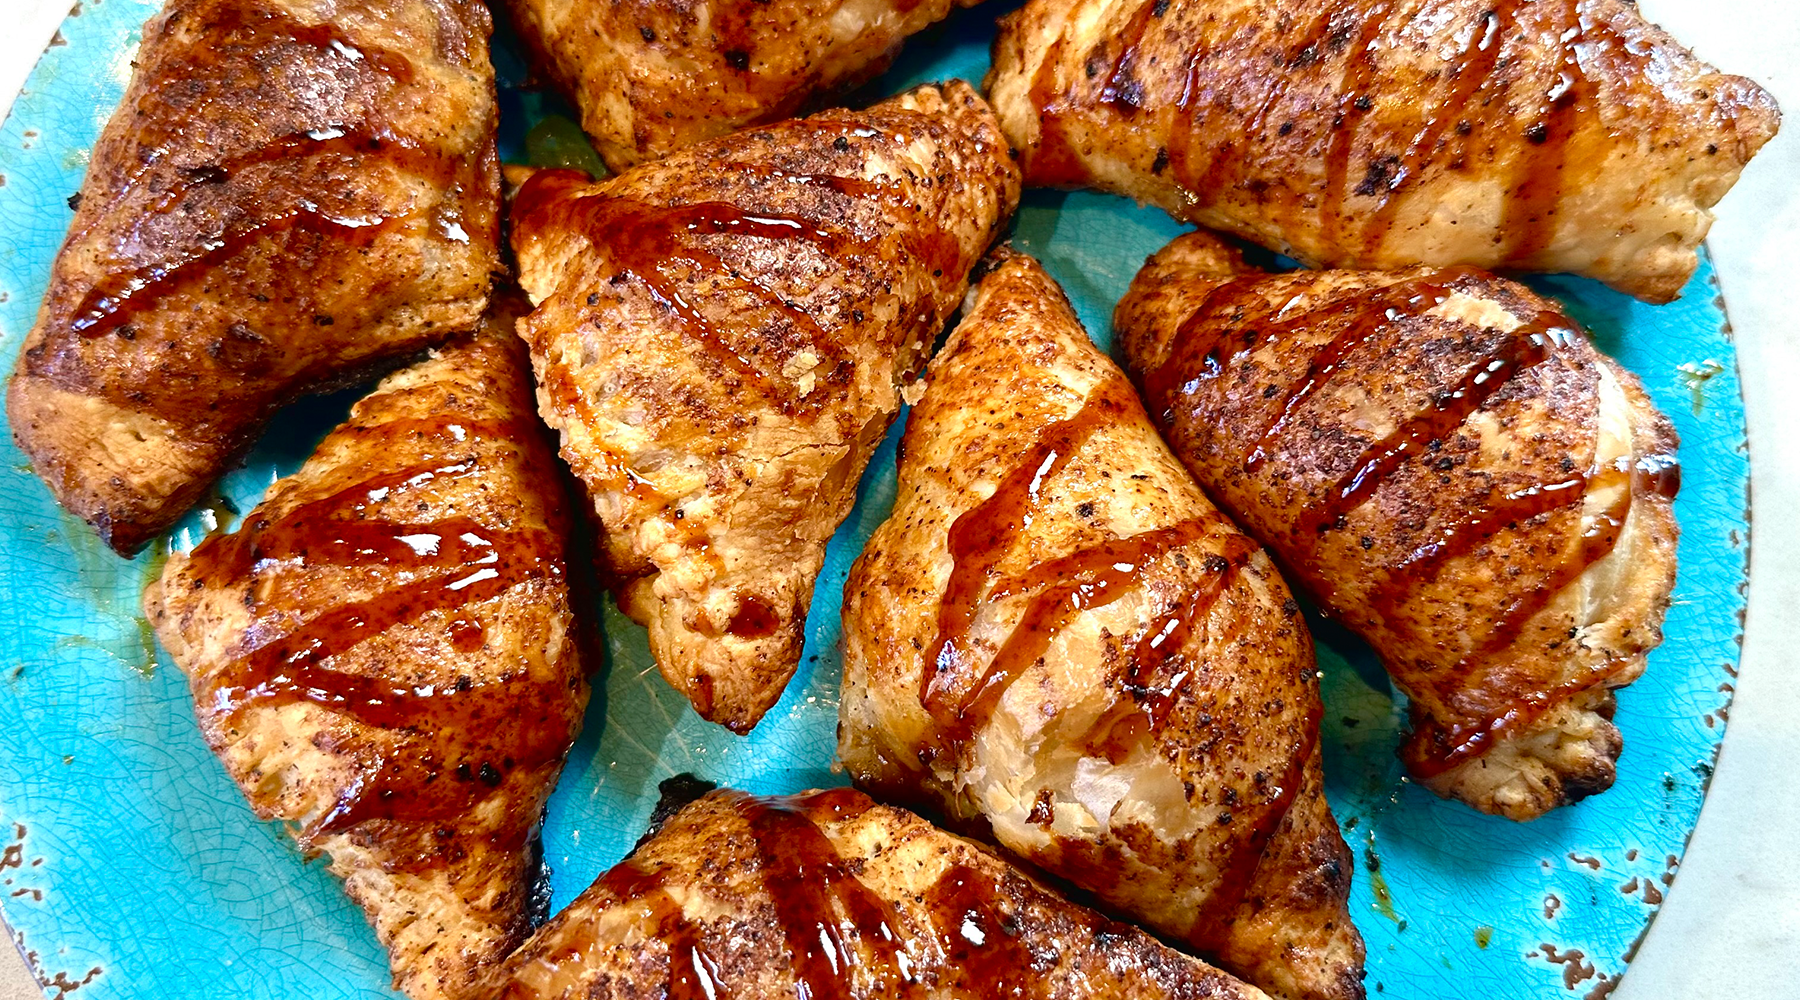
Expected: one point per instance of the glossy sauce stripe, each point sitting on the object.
(962, 696)
(122, 294)
(1474, 109)
(842, 940)
(1235, 318)
(1160, 668)
(1519, 350)
(1436, 748)
(980, 538)
(432, 566)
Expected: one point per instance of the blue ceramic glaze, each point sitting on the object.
(133, 864)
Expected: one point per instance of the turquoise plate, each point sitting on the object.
(133, 868)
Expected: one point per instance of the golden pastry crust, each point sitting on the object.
(1056, 635)
(829, 895)
(384, 655)
(1498, 523)
(651, 76)
(721, 338)
(1547, 135)
(290, 192)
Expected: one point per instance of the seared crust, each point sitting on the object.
(384, 656)
(1498, 523)
(651, 76)
(708, 907)
(1549, 135)
(721, 338)
(1056, 635)
(290, 192)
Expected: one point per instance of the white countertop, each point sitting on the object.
(1731, 924)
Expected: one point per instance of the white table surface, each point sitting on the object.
(1731, 924)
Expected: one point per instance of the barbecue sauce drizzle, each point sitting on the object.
(826, 914)
(641, 239)
(1063, 588)
(1436, 748)
(1224, 328)
(962, 698)
(121, 295)
(657, 244)
(832, 924)
(978, 541)
(1444, 134)
(436, 565)
(1159, 669)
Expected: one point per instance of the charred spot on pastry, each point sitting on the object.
(1595, 779)
(538, 897)
(1379, 176)
(673, 795)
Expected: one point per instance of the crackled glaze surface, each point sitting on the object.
(129, 852)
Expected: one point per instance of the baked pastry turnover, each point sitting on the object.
(651, 76)
(830, 896)
(1056, 635)
(289, 194)
(1541, 135)
(721, 338)
(384, 655)
(1443, 461)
